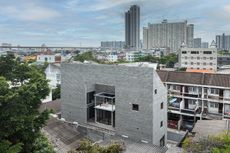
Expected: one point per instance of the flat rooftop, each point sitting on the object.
(106, 95)
(205, 128)
(106, 107)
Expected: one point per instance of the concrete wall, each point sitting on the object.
(158, 113)
(133, 85)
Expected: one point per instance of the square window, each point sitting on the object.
(162, 105)
(161, 123)
(136, 107)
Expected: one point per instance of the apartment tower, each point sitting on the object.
(168, 35)
(132, 27)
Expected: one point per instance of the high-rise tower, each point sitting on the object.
(132, 27)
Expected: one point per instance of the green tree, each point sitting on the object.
(211, 144)
(87, 146)
(42, 145)
(56, 93)
(21, 89)
(88, 56)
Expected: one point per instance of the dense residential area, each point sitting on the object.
(161, 86)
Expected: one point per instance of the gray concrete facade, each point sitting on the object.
(133, 85)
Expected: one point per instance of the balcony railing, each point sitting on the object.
(173, 108)
(188, 111)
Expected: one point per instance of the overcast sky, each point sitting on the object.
(87, 22)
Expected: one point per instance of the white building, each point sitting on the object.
(168, 35)
(46, 58)
(112, 58)
(53, 74)
(198, 58)
(133, 55)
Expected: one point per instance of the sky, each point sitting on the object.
(88, 22)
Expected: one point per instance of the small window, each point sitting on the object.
(155, 91)
(161, 123)
(194, 52)
(207, 52)
(184, 52)
(162, 105)
(135, 107)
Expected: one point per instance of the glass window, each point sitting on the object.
(207, 52)
(161, 123)
(135, 107)
(214, 91)
(214, 105)
(184, 52)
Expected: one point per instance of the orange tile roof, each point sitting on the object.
(200, 71)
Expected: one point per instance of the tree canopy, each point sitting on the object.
(211, 144)
(88, 56)
(56, 93)
(87, 146)
(21, 89)
(169, 59)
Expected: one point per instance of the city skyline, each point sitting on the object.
(88, 22)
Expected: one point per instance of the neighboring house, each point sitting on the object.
(53, 74)
(223, 60)
(194, 96)
(46, 58)
(198, 58)
(132, 101)
(49, 58)
(112, 58)
(133, 55)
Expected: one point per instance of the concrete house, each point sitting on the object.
(130, 100)
(196, 96)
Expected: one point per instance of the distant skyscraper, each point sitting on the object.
(113, 44)
(204, 45)
(197, 42)
(190, 35)
(132, 27)
(168, 35)
(223, 42)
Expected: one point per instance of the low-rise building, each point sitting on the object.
(223, 60)
(53, 74)
(112, 57)
(46, 58)
(198, 58)
(195, 96)
(132, 101)
(133, 55)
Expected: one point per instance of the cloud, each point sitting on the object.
(30, 12)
